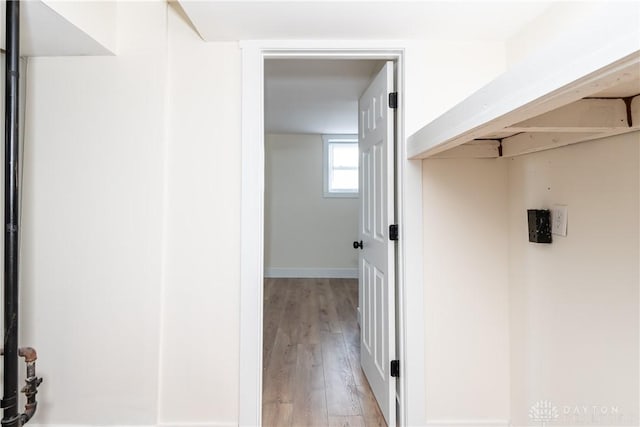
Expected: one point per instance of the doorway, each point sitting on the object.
(311, 338)
(410, 390)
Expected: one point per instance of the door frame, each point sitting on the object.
(409, 274)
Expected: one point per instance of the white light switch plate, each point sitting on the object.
(559, 220)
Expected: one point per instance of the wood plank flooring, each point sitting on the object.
(311, 356)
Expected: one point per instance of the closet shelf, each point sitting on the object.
(584, 87)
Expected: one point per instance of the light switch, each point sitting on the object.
(559, 220)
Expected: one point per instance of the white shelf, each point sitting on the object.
(540, 104)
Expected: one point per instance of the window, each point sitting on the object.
(340, 165)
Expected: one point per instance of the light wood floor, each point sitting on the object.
(311, 374)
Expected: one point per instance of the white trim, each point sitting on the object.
(470, 423)
(410, 275)
(328, 273)
(92, 425)
(217, 424)
(251, 238)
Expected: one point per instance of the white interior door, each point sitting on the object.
(377, 254)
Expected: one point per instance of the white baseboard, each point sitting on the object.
(312, 273)
(468, 423)
(87, 425)
(197, 424)
(155, 425)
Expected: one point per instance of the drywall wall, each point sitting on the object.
(131, 225)
(563, 325)
(439, 74)
(93, 224)
(560, 18)
(564, 20)
(200, 333)
(574, 304)
(466, 291)
(110, 181)
(462, 330)
(305, 232)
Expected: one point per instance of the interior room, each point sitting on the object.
(310, 230)
(163, 244)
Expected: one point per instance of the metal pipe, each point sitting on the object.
(32, 382)
(11, 418)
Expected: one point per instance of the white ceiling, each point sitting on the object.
(342, 19)
(315, 95)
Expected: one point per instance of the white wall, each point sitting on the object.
(92, 225)
(200, 334)
(465, 313)
(131, 225)
(574, 304)
(466, 290)
(303, 229)
(510, 323)
(560, 20)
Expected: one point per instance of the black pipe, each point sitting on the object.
(11, 418)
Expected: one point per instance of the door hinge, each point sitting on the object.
(395, 368)
(393, 232)
(393, 100)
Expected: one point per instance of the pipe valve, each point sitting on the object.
(32, 383)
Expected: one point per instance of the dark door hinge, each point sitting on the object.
(393, 232)
(395, 368)
(393, 100)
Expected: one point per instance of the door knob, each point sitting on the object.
(357, 245)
